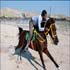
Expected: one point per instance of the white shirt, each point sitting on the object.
(37, 21)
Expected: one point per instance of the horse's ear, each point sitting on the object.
(52, 20)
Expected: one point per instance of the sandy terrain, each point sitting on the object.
(9, 39)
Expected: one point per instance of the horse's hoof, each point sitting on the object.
(59, 68)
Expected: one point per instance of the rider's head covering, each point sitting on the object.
(43, 12)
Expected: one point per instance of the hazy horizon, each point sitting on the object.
(52, 7)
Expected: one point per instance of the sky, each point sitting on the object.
(57, 7)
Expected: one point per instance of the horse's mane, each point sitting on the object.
(50, 21)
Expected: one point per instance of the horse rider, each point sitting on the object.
(38, 22)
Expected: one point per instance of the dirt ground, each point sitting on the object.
(9, 38)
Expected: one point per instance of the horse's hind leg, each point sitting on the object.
(23, 47)
(20, 43)
(49, 55)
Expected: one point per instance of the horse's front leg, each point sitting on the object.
(49, 55)
(41, 57)
(39, 48)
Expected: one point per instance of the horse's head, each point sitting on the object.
(51, 29)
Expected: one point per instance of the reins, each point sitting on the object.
(46, 33)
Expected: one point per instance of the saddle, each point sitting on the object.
(36, 35)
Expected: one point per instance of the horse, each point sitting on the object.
(39, 43)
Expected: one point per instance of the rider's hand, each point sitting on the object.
(46, 29)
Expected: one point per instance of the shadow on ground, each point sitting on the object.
(27, 55)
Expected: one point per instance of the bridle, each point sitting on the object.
(41, 39)
(50, 28)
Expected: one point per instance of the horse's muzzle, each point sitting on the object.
(56, 40)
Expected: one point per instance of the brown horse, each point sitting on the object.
(40, 42)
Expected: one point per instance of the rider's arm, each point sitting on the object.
(39, 23)
(30, 31)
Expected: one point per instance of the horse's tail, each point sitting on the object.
(20, 38)
(20, 30)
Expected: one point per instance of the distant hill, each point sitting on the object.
(13, 13)
(8, 12)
